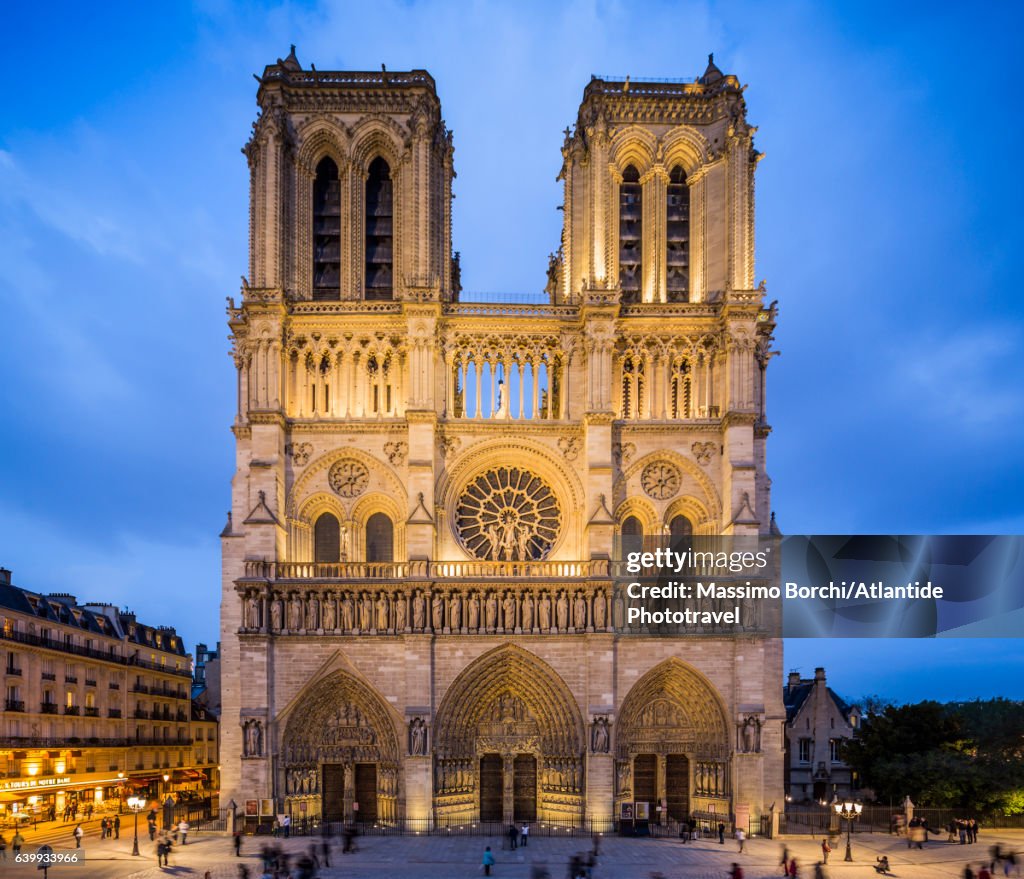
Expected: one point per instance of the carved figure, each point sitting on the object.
(313, 612)
(580, 611)
(502, 410)
(330, 614)
(253, 738)
(491, 612)
(348, 613)
(545, 612)
(419, 612)
(365, 612)
(277, 615)
(417, 737)
(382, 612)
(455, 611)
(508, 607)
(474, 612)
(401, 612)
(527, 612)
(599, 736)
(562, 608)
(252, 613)
(437, 611)
(295, 613)
(600, 611)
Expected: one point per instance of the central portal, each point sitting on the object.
(524, 788)
(492, 789)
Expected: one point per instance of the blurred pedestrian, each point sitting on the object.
(488, 861)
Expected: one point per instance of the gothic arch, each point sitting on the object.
(529, 455)
(374, 137)
(388, 481)
(337, 719)
(711, 503)
(462, 723)
(300, 526)
(672, 709)
(687, 147)
(320, 138)
(643, 510)
(378, 502)
(635, 146)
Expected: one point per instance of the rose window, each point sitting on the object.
(660, 480)
(348, 478)
(508, 514)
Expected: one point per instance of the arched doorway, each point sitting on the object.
(672, 745)
(508, 743)
(339, 754)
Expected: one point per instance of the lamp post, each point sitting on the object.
(136, 804)
(120, 792)
(850, 812)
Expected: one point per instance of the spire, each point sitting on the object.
(712, 74)
(291, 62)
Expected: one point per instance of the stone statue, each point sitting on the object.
(330, 614)
(417, 737)
(253, 738)
(599, 611)
(527, 612)
(508, 607)
(455, 611)
(313, 613)
(752, 734)
(437, 611)
(491, 612)
(599, 736)
(579, 611)
(365, 612)
(251, 613)
(618, 611)
(382, 612)
(401, 612)
(295, 613)
(474, 612)
(622, 777)
(545, 612)
(277, 615)
(493, 541)
(562, 608)
(348, 613)
(419, 612)
(523, 536)
(502, 410)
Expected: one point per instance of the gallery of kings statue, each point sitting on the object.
(417, 621)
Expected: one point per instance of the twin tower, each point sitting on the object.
(417, 603)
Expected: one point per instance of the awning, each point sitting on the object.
(11, 797)
(188, 775)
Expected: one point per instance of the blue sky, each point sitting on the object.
(888, 219)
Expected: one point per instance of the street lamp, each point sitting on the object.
(851, 812)
(120, 792)
(136, 804)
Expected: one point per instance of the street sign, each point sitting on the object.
(44, 862)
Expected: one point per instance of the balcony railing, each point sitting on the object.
(14, 705)
(91, 712)
(49, 676)
(11, 670)
(421, 569)
(114, 685)
(62, 743)
(141, 714)
(70, 679)
(90, 683)
(91, 652)
(48, 708)
(72, 710)
(140, 688)
(113, 712)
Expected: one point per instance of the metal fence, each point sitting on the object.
(822, 821)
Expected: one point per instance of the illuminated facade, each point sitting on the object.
(416, 618)
(96, 705)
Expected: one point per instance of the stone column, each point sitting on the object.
(507, 788)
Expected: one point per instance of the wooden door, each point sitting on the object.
(677, 786)
(491, 788)
(366, 792)
(332, 804)
(524, 788)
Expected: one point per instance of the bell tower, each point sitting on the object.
(350, 177)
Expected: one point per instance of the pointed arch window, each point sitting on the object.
(632, 535)
(379, 231)
(677, 237)
(327, 539)
(630, 228)
(380, 538)
(680, 527)
(326, 231)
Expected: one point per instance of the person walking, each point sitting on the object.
(183, 830)
(826, 850)
(117, 827)
(524, 835)
(488, 861)
(17, 842)
(819, 870)
(513, 836)
(736, 872)
(3, 848)
(794, 870)
(78, 833)
(236, 841)
(741, 838)
(784, 860)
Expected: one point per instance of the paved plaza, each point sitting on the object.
(452, 858)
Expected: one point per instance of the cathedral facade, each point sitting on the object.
(417, 613)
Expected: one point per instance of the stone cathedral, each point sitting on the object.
(417, 619)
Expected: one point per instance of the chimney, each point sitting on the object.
(819, 674)
(794, 680)
(5, 577)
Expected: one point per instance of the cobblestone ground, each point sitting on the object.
(454, 858)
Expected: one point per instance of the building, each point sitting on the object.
(96, 704)
(416, 621)
(206, 679)
(817, 722)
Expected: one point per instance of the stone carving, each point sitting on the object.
(419, 612)
(474, 612)
(448, 445)
(401, 613)
(348, 478)
(579, 612)
(660, 480)
(437, 611)
(418, 737)
(545, 612)
(508, 612)
(252, 738)
(600, 611)
(382, 612)
(396, 452)
(365, 612)
(622, 452)
(508, 514)
(570, 447)
(252, 613)
(600, 738)
(276, 615)
(348, 615)
(300, 452)
(623, 778)
(526, 617)
(312, 612)
(294, 613)
(562, 611)
(330, 614)
(703, 452)
(749, 739)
